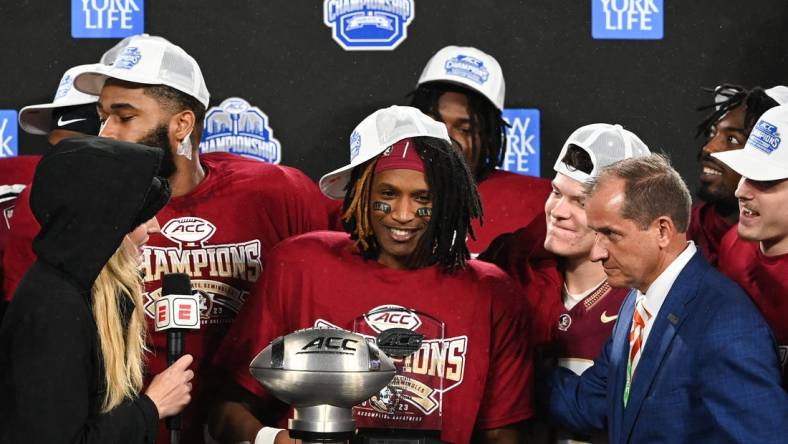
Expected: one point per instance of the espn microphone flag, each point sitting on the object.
(177, 307)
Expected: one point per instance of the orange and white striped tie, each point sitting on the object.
(639, 319)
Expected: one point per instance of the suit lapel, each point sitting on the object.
(671, 316)
(618, 362)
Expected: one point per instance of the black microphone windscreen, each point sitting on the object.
(176, 283)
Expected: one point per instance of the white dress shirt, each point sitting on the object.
(658, 291)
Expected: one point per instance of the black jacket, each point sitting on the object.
(87, 194)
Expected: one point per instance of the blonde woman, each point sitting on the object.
(72, 340)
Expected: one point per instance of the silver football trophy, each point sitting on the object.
(322, 373)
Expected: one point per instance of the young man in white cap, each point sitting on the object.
(408, 203)
(70, 114)
(464, 88)
(226, 212)
(755, 253)
(573, 305)
(726, 128)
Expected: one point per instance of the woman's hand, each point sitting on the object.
(171, 389)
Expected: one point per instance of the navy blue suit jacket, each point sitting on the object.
(708, 373)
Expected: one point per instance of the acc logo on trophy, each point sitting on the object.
(237, 127)
(385, 317)
(365, 25)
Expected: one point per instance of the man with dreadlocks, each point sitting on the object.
(735, 111)
(464, 88)
(408, 202)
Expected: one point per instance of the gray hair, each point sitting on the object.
(652, 188)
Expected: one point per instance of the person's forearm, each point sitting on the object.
(233, 423)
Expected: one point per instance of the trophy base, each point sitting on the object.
(322, 424)
(397, 436)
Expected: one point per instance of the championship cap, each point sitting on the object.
(38, 119)
(375, 134)
(606, 144)
(765, 155)
(779, 93)
(148, 60)
(468, 67)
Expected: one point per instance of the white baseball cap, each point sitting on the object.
(37, 119)
(149, 60)
(779, 93)
(606, 144)
(765, 155)
(469, 67)
(374, 134)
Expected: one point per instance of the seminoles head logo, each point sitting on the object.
(237, 127)
(564, 321)
(188, 231)
(467, 67)
(385, 317)
(765, 137)
(65, 86)
(368, 24)
(128, 58)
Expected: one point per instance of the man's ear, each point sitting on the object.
(182, 124)
(665, 230)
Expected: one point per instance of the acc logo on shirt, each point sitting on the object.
(107, 18)
(239, 128)
(765, 137)
(188, 231)
(522, 141)
(368, 24)
(385, 317)
(9, 142)
(627, 19)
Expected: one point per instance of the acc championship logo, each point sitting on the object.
(237, 127)
(522, 141)
(627, 19)
(368, 24)
(65, 86)
(765, 137)
(468, 67)
(128, 58)
(355, 145)
(210, 267)
(107, 18)
(8, 133)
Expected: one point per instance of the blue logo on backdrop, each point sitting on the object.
(107, 18)
(522, 141)
(627, 19)
(9, 142)
(128, 58)
(765, 137)
(239, 128)
(368, 24)
(468, 67)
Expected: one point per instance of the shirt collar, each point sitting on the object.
(658, 291)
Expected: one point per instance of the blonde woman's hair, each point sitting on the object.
(121, 348)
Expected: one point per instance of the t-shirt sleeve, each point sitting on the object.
(18, 255)
(306, 205)
(508, 391)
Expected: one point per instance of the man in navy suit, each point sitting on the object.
(690, 359)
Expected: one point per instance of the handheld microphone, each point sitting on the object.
(177, 309)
